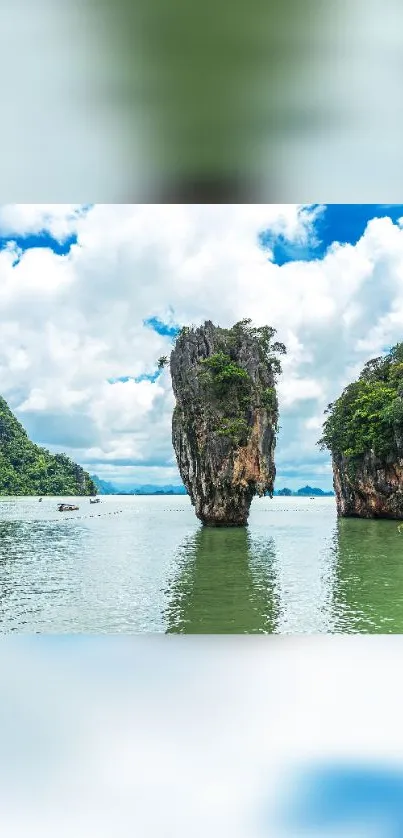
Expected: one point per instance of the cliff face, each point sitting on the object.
(225, 419)
(371, 487)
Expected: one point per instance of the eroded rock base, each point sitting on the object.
(368, 488)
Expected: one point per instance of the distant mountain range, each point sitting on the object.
(106, 488)
(306, 491)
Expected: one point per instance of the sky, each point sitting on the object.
(238, 738)
(92, 295)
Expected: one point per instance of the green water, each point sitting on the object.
(145, 564)
(211, 594)
(368, 580)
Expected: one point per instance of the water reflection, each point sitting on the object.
(224, 584)
(368, 584)
(295, 570)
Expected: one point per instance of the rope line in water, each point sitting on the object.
(168, 509)
(51, 520)
(83, 517)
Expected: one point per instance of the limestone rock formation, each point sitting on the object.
(225, 419)
(374, 489)
(364, 433)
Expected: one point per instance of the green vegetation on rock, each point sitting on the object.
(27, 469)
(229, 384)
(269, 398)
(368, 416)
(263, 335)
(226, 379)
(236, 430)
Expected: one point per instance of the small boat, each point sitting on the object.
(40, 500)
(67, 507)
(95, 500)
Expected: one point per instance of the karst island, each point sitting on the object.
(28, 469)
(225, 420)
(364, 433)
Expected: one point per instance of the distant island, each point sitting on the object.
(306, 491)
(106, 488)
(27, 469)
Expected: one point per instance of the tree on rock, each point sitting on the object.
(364, 433)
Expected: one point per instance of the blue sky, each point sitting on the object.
(93, 296)
(40, 240)
(166, 330)
(342, 223)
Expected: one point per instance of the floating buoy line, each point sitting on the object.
(74, 517)
(83, 517)
(60, 520)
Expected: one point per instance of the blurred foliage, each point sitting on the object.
(211, 91)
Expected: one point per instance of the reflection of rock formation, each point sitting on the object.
(368, 584)
(224, 585)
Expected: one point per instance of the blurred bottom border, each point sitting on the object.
(195, 736)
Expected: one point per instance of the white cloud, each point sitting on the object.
(70, 323)
(314, 423)
(292, 390)
(24, 219)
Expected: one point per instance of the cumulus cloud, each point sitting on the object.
(26, 219)
(73, 323)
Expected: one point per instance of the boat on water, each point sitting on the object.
(40, 500)
(95, 500)
(67, 507)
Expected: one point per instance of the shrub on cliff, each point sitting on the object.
(224, 377)
(230, 386)
(227, 385)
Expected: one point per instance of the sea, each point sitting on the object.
(145, 564)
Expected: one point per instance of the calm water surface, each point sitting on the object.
(145, 564)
